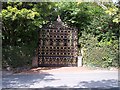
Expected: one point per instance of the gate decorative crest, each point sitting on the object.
(57, 45)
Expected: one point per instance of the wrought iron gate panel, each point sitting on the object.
(57, 45)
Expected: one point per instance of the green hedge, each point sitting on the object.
(100, 54)
(18, 56)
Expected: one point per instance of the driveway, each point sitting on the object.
(62, 78)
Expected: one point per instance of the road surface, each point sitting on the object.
(83, 79)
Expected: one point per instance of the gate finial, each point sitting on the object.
(59, 19)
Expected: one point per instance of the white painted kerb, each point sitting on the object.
(79, 64)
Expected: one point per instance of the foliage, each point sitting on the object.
(17, 56)
(114, 11)
(21, 22)
(98, 29)
(99, 54)
(92, 19)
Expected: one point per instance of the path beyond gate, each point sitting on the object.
(57, 45)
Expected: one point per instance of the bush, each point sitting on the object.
(100, 54)
(18, 56)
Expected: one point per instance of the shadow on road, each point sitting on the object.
(61, 89)
(98, 84)
(85, 85)
(23, 80)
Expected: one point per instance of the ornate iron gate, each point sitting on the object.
(57, 45)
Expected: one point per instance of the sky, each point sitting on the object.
(115, 1)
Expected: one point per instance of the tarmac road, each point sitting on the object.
(95, 79)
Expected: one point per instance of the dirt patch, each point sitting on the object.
(58, 70)
(64, 70)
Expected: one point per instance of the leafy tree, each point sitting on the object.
(20, 24)
(91, 18)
